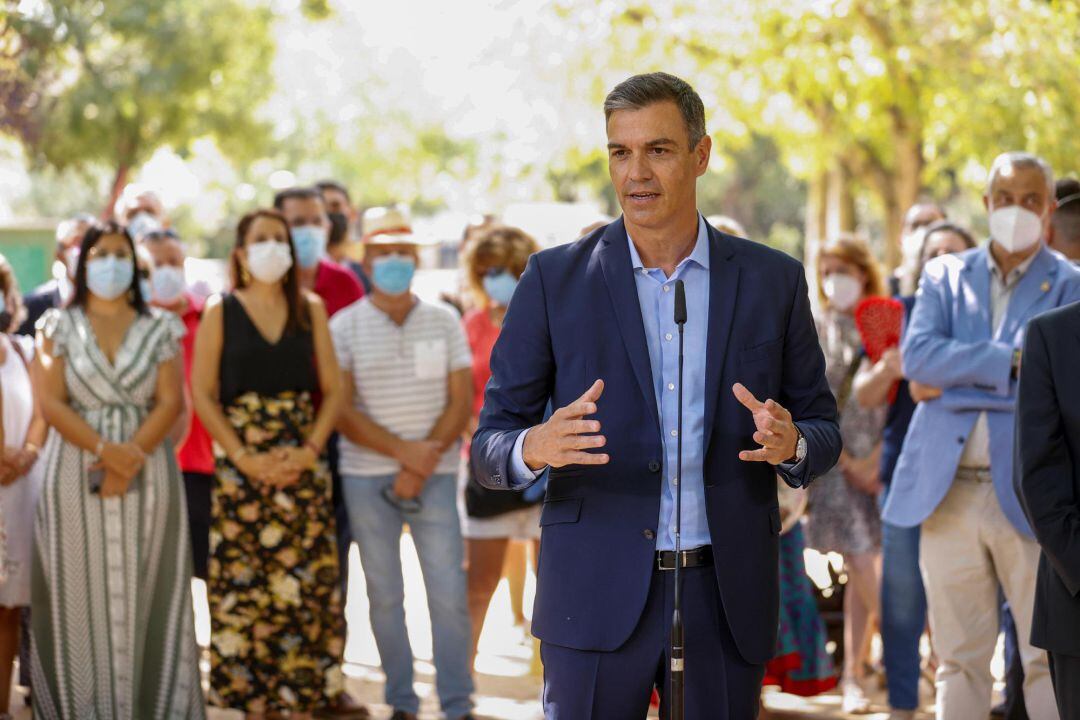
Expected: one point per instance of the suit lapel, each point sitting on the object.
(1035, 284)
(977, 274)
(723, 293)
(619, 278)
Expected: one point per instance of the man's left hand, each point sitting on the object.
(775, 432)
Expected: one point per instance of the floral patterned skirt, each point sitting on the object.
(275, 599)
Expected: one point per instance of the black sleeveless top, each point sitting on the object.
(251, 363)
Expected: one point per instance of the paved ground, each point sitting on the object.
(508, 676)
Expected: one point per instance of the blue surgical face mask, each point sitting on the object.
(109, 277)
(393, 274)
(167, 284)
(310, 244)
(500, 287)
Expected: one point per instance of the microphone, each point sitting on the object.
(680, 303)
(678, 648)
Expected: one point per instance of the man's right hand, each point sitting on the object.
(420, 456)
(562, 440)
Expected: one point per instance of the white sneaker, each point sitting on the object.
(855, 701)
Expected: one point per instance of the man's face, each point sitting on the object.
(166, 252)
(1024, 186)
(336, 202)
(304, 211)
(652, 168)
(149, 203)
(67, 250)
(373, 252)
(920, 216)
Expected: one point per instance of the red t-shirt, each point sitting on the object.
(337, 286)
(481, 334)
(196, 455)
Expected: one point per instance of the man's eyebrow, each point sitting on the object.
(651, 143)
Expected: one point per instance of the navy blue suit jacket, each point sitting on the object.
(574, 318)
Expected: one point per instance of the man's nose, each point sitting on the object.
(640, 170)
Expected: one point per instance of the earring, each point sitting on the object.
(245, 276)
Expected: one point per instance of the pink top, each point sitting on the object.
(481, 334)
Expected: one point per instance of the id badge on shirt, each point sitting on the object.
(430, 357)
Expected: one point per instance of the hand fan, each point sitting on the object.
(880, 321)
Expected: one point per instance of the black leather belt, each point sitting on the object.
(698, 557)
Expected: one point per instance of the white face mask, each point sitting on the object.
(269, 261)
(843, 291)
(1015, 228)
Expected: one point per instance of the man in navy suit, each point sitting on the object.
(590, 329)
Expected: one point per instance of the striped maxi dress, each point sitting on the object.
(112, 627)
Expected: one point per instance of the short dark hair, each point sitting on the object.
(1065, 187)
(324, 185)
(91, 238)
(640, 91)
(296, 193)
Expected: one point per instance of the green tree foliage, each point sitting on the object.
(87, 82)
(896, 96)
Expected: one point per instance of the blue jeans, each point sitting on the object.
(903, 613)
(376, 527)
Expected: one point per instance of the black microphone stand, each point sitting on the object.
(678, 661)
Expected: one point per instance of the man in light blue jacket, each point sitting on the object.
(954, 476)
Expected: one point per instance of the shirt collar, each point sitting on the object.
(1018, 272)
(700, 253)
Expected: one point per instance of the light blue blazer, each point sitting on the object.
(949, 344)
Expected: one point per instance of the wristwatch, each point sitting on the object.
(800, 448)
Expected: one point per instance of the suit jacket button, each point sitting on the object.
(654, 466)
(649, 534)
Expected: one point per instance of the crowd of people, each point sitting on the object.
(249, 440)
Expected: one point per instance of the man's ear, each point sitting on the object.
(703, 152)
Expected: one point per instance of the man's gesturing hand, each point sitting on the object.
(775, 432)
(562, 439)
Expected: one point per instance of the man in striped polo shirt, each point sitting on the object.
(406, 366)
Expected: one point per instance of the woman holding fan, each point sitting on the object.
(843, 514)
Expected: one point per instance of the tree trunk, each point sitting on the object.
(904, 192)
(118, 184)
(841, 202)
(817, 215)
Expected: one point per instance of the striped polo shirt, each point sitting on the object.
(401, 374)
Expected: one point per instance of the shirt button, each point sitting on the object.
(654, 466)
(667, 337)
(674, 433)
(667, 288)
(674, 480)
(649, 534)
(671, 386)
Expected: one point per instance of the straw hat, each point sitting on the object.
(390, 226)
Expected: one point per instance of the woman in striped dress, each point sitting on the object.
(112, 625)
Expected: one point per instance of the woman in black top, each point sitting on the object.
(262, 355)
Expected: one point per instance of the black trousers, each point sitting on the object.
(341, 519)
(197, 488)
(1065, 674)
(617, 685)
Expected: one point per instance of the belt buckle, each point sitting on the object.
(660, 561)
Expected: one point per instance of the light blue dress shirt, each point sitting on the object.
(656, 295)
